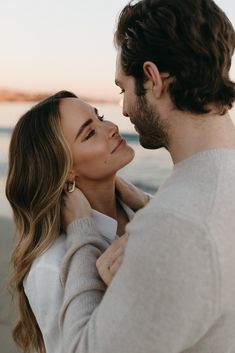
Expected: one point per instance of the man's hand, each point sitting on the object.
(110, 261)
(130, 194)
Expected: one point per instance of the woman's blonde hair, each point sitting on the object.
(39, 163)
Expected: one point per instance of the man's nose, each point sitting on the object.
(123, 105)
(124, 112)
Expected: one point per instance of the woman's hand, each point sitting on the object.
(130, 194)
(74, 206)
(110, 261)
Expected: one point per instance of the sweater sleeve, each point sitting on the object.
(163, 299)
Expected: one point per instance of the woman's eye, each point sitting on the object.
(100, 117)
(91, 133)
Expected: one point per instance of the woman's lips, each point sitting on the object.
(120, 144)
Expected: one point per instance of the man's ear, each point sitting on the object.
(156, 80)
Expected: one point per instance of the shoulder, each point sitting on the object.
(52, 257)
(46, 265)
(171, 236)
(156, 222)
(159, 226)
(42, 285)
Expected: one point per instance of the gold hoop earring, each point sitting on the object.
(71, 186)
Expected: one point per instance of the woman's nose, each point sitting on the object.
(113, 129)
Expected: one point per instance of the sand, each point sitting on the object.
(7, 307)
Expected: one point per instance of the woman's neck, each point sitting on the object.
(101, 195)
(102, 198)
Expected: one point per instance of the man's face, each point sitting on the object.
(143, 114)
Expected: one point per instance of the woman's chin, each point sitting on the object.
(128, 157)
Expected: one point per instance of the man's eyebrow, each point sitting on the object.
(82, 127)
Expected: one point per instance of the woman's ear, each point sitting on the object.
(156, 81)
(71, 176)
(71, 181)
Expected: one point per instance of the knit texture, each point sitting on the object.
(175, 291)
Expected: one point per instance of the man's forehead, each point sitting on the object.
(119, 71)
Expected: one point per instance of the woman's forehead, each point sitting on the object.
(75, 108)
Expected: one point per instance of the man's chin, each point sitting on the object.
(149, 144)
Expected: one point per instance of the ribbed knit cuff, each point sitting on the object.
(82, 231)
(82, 225)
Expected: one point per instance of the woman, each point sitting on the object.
(61, 141)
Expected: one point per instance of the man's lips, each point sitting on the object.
(131, 120)
(120, 142)
(135, 127)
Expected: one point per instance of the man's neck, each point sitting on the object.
(195, 133)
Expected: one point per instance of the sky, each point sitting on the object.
(49, 45)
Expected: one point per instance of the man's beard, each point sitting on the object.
(152, 133)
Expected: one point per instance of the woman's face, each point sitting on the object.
(98, 151)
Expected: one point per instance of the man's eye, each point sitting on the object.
(122, 91)
(91, 133)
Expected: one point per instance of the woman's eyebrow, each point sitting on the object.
(96, 111)
(82, 127)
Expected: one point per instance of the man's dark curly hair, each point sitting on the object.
(192, 40)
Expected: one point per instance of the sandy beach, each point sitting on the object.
(7, 308)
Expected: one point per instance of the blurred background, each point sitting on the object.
(50, 45)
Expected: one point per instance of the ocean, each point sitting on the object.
(147, 171)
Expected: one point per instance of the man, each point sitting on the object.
(175, 291)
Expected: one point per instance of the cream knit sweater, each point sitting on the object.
(175, 291)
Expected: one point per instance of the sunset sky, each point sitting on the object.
(49, 45)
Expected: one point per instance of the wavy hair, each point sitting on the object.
(39, 163)
(191, 40)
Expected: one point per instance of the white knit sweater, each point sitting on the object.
(175, 291)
